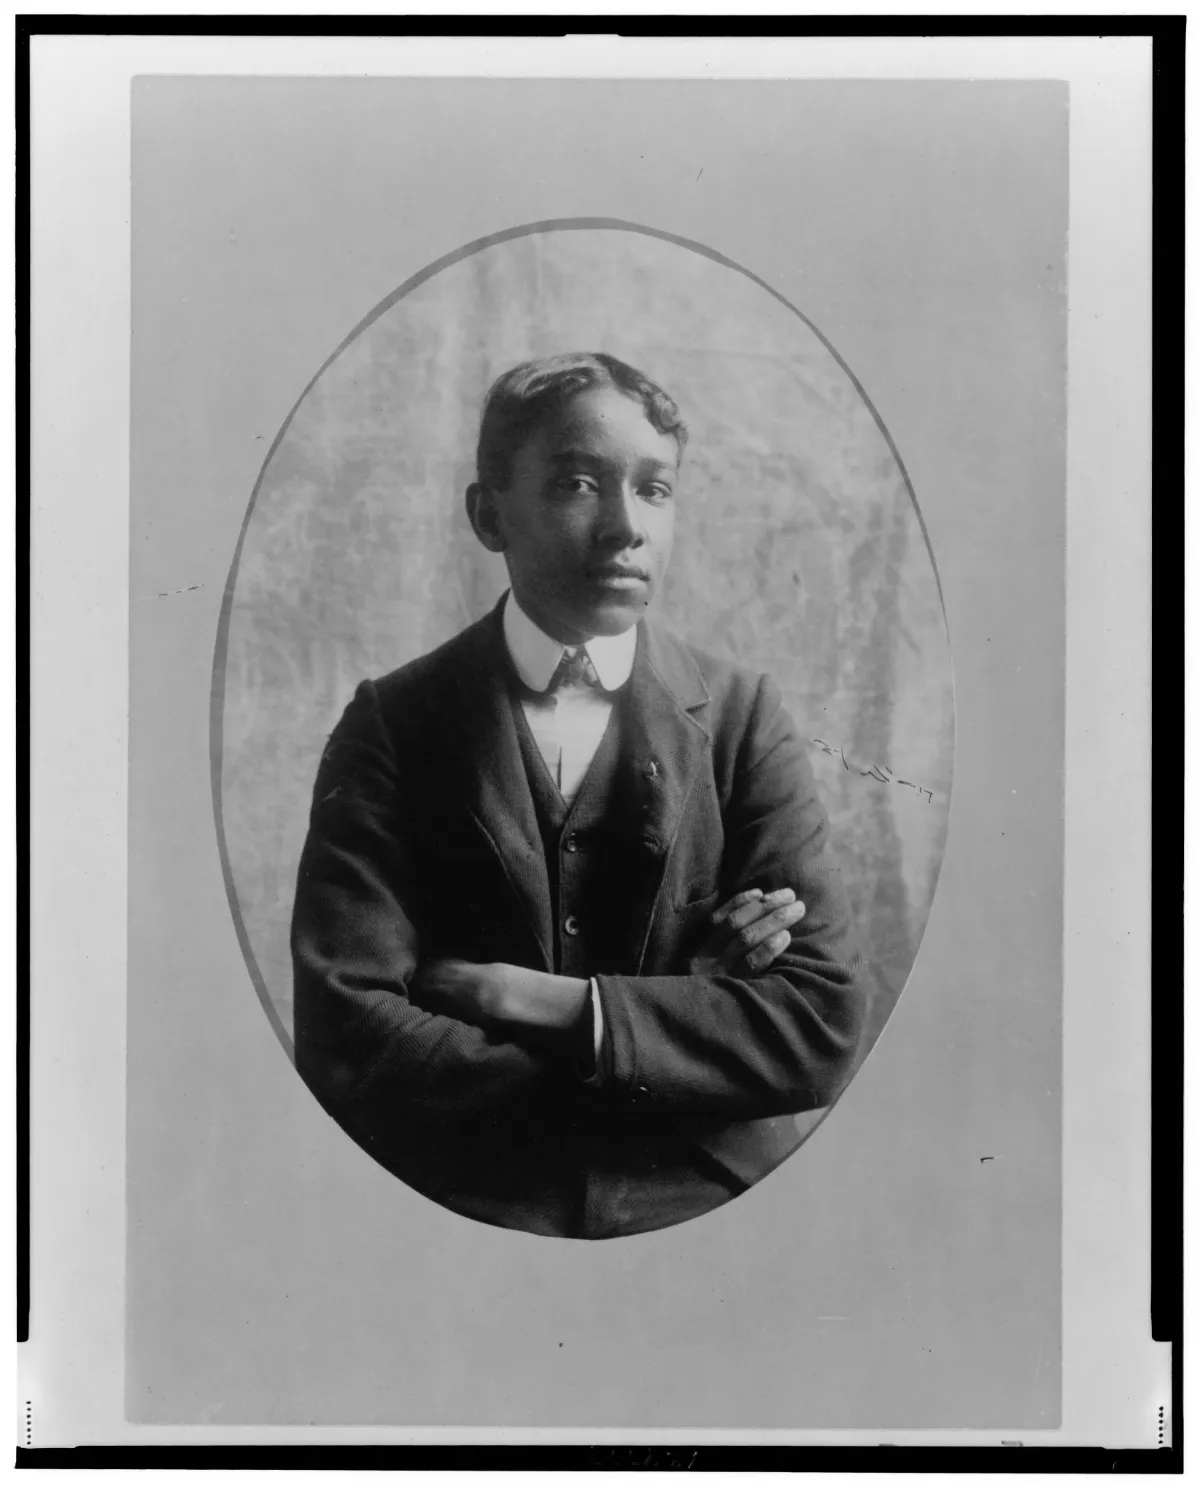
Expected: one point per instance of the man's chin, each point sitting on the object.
(611, 618)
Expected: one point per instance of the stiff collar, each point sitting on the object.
(535, 656)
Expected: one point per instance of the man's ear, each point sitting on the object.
(483, 513)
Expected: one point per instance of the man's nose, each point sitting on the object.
(621, 518)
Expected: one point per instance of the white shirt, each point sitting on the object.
(569, 725)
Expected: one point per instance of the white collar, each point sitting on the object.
(535, 656)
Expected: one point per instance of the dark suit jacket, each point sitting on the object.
(423, 841)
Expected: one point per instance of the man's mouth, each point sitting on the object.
(619, 577)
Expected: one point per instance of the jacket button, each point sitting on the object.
(571, 925)
(570, 844)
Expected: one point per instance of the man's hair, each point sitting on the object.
(526, 396)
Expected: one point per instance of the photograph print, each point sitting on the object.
(582, 730)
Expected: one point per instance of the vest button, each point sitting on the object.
(571, 925)
(570, 844)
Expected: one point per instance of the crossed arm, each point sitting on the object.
(749, 931)
(764, 1019)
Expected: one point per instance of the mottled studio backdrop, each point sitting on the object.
(799, 551)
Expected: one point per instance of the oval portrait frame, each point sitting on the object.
(217, 708)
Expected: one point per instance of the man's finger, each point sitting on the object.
(769, 924)
(750, 912)
(766, 953)
(740, 900)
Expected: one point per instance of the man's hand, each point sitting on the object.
(749, 933)
(455, 987)
(506, 995)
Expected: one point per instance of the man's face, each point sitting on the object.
(589, 515)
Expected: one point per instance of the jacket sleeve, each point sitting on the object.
(778, 1043)
(372, 1055)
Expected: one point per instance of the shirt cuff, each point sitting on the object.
(598, 1075)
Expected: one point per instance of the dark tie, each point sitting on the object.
(574, 668)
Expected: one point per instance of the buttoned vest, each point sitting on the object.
(583, 846)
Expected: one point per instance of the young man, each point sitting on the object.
(569, 949)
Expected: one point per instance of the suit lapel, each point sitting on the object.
(474, 744)
(664, 740)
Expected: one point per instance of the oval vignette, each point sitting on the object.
(353, 556)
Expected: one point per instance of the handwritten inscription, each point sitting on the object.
(882, 774)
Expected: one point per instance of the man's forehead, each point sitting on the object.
(593, 436)
(573, 453)
(605, 409)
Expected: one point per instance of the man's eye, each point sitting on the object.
(656, 492)
(576, 484)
